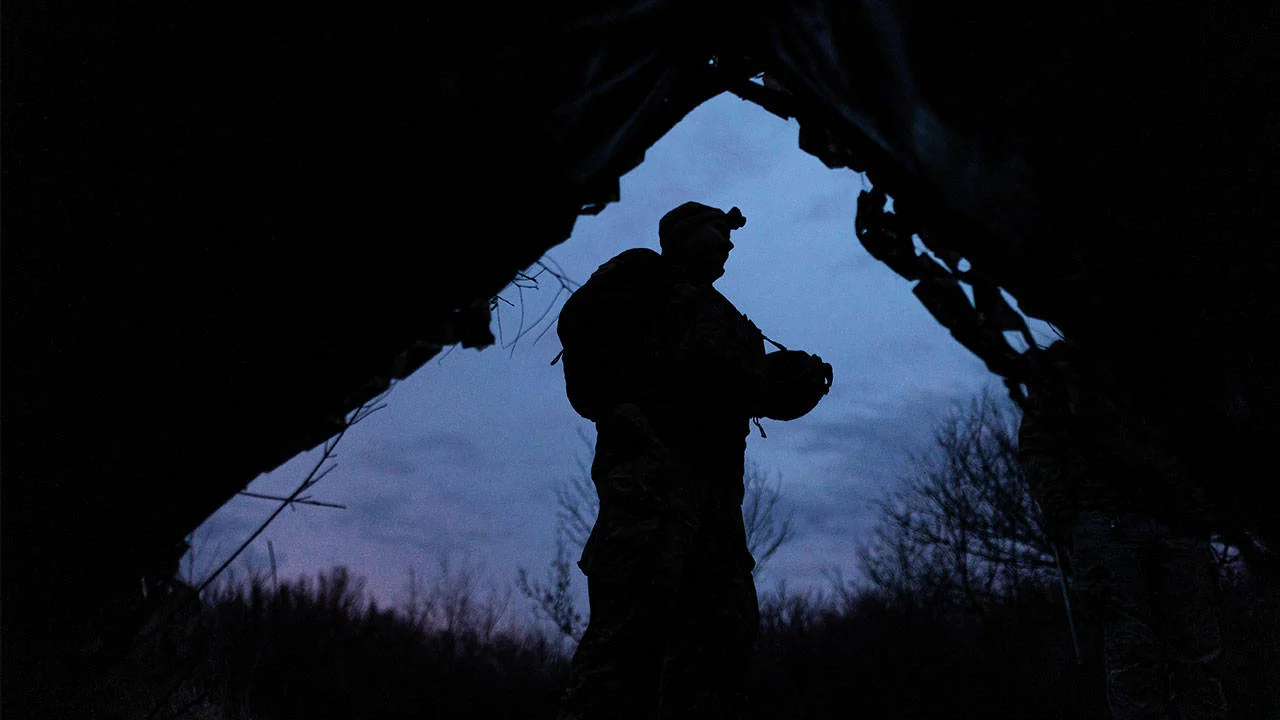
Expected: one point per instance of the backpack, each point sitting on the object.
(606, 329)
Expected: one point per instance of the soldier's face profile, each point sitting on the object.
(706, 249)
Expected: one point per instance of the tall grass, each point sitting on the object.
(319, 648)
(314, 648)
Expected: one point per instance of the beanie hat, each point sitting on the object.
(685, 218)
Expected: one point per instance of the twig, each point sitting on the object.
(301, 501)
(498, 317)
(547, 312)
(520, 326)
(558, 273)
(542, 317)
(447, 352)
(526, 281)
(318, 471)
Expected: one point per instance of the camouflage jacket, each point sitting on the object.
(638, 333)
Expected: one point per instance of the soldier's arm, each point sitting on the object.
(700, 347)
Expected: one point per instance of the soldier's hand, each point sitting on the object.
(797, 382)
(821, 373)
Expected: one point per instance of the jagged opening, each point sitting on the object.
(463, 461)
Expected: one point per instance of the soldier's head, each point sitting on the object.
(696, 237)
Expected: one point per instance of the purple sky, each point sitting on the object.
(462, 464)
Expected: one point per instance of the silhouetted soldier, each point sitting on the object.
(672, 375)
(1138, 528)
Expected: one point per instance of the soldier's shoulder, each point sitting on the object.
(627, 262)
(629, 271)
(627, 279)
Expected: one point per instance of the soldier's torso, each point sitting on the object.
(708, 374)
(682, 353)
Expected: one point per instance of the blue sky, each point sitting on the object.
(462, 464)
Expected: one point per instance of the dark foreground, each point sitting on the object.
(319, 649)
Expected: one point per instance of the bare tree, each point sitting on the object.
(553, 599)
(964, 528)
(454, 602)
(766, 530)
(578, 505)
(576, 501)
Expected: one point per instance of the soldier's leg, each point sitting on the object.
(616, 668)
(633, 562)
(1189, 599)
(1114, 566)
(715, 622)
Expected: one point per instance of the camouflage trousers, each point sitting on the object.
(674, 611)
(1157, 595)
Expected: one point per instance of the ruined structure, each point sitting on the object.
(224, 228)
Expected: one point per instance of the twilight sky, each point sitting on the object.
(462, 464)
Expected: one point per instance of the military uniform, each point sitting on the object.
(676, 375)
(1137, 529)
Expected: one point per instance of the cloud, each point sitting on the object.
(874, 431)
(852, 460)
(861, 454)
(469, 503)
(452, 449)
(732, 135)
(836, 205)
(424, 454)
(394, 522)
(386, 461)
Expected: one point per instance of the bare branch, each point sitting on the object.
(532, 281)
(300, 501)
(964, 525)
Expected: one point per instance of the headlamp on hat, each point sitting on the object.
(687, 217)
